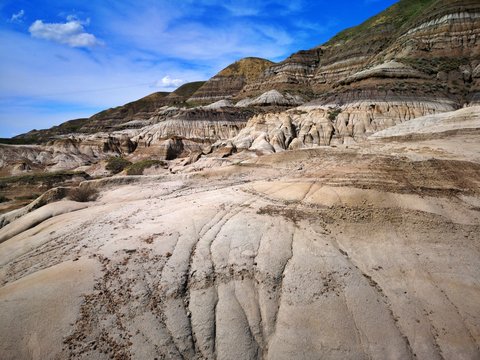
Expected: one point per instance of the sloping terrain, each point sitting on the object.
(363, 252)
(228, 82)
(132, 115)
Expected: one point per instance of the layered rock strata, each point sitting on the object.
(231, 80)
(319, 125)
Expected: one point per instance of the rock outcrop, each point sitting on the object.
(230, 81)
(313, 125)
(272, 98)
(415, 58)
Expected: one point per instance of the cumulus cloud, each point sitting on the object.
(168, 82)
(71, 33)
(18, 17)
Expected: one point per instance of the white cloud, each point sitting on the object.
(18, 17)
(168, 82)
(71, 33)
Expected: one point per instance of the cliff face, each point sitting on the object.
(437, 42)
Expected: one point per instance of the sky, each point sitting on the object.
(62, 60)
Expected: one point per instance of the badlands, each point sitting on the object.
(369, 251)
(323, 207)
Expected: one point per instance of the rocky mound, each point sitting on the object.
(272, 98)
(315, 125)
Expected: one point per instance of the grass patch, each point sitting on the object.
(27, 197)
(188, 89)
(332, 114)
(432, 66)
(117, 164)
(394, 17)
(138, 167)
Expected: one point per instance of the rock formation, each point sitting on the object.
(228, 82)
(415, 58)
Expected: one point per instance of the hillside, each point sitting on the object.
(229, 81)
(108, 120)
(417, 34)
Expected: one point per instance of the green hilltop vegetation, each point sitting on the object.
(392, 19)
(188, 89)
(249, 67)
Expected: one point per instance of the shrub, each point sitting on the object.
(332, 114)
(3, 199)
(83, 194)
(117, 164)
(139, 167)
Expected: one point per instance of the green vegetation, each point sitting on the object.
(138, 167)
(147, 103)
(187, 90)
(3, 199)
(27, 197)
(392, 18)
(24, 140)
(117, 164)
(332, 114)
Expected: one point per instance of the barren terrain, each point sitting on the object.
(368, 251)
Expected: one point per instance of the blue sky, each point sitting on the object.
(61, 60)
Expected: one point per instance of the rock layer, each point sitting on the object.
(314, 125)
(228, 82)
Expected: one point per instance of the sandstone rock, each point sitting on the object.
(219, 104)
(320, 125)
(272, 98)
(262, 145)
